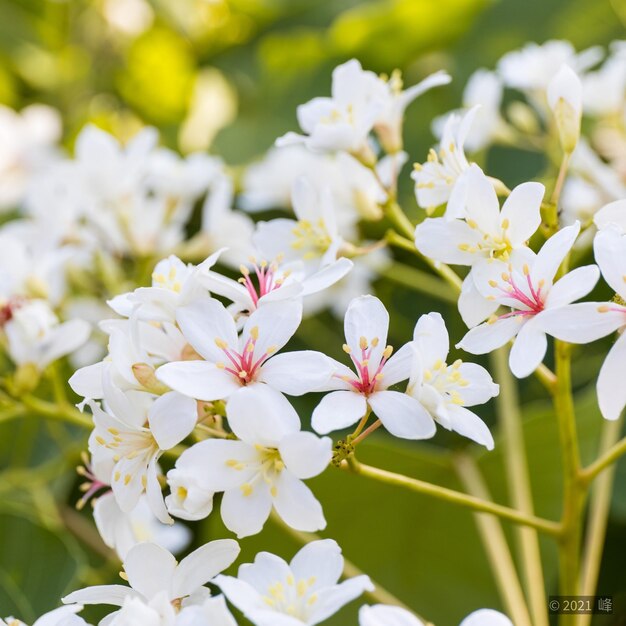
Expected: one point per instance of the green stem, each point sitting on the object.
(598, 518)
(367, 432)
(605, 461)
(442, 269)
(569, 546)
(454, 497)
(496, 546)
(510, 421)
(418, 280)
(64, 413)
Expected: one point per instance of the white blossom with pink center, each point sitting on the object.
(588, 321)
(353, 392)
(525, 285)
(234, 361)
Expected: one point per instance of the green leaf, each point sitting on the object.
(37, 567)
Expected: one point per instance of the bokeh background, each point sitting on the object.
(226, 76)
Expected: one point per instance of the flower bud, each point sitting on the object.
(565, 99)
(146, 377)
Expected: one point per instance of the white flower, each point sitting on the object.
(614, 214)
(120, 434)
(484, 88)
(27, 139)
(524, 283)
(33, 261)
(565, 93)
(436, 180)
(382, 615)
(587, 321)
(213, 612)
(234, 362)
(486, 233)
(306, 591)
(174, 284)
(156, 611)
(36, 336)
(188, 498)
(63, 616)
(366, 325)
(445, 390)
(343, 121)
(265, 468)
(533, 66)
(121, 531)
(152, 571)
(356, 191)
(268, 183)
(604, 90)
(388, 124)
(222, 228)
(313, 236)
(486, 617)
(135, 350)
(264, 282)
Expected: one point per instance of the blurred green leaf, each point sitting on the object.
(36, 569)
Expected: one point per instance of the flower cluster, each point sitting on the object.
(190, 404)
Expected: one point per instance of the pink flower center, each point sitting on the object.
(532, 304)
(7, 310)
(268, 279)
(244, 365)
(91, 486)
(367, 378)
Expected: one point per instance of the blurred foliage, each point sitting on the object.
(188, 66)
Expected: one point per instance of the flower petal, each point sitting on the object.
(338, 410)
(398, 367)
(381, 615)
(583, 322)
(276, 323)
(331, 599)
(447, 241)
(150, 569)
(609, 247)
(297, 373)
(198, 379)
(473, 306)
(610, 386)
(574, 285)
(321, 560)
(431, 339)
(522, 211)
(296, 505)
(100, 594)
(305, 454)
(245, 512)
(402, 415)
(260, 415)
(171, 418)
(202, 565)
(468, 424)
(487, 337)
(367, 317)
(529, 349)
(204, 321)
(552, 253)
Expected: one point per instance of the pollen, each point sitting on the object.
(246, 489)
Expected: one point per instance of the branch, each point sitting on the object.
(449, 495)
(496, 546)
